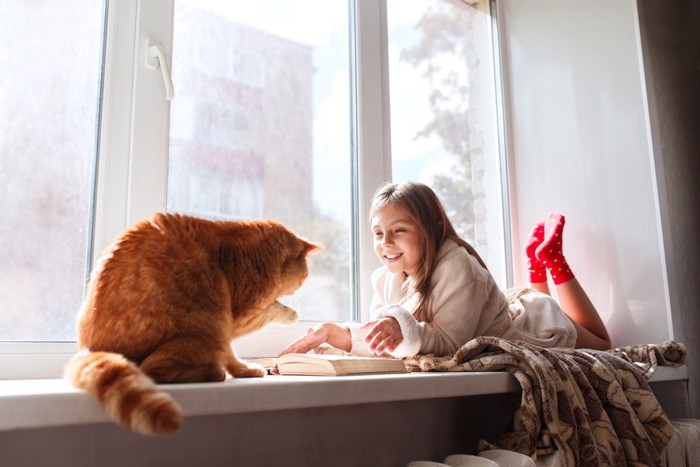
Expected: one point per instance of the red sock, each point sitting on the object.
(550, 252)
(535, 269)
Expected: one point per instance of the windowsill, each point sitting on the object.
(53, 402)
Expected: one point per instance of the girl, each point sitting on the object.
(434, 293)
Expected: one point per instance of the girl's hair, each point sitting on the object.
(424, 207)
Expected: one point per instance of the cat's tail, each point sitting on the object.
(128, 395)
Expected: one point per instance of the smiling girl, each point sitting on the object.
(434, 293)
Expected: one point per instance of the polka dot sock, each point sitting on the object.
(535, 269)
(549, 252)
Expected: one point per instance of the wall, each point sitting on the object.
(670, 34)
(615, 87)
(581, 146)
(380, 434)
(371, 434)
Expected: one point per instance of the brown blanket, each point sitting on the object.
(595, 407)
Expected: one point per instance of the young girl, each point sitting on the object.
(434, 293)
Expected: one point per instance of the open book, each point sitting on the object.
(330, 365)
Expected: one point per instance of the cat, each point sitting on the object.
(164, 302)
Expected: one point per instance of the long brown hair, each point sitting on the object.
(424, 207)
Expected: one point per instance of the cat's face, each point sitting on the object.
(295, 268)
(290, 252)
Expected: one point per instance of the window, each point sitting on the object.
(277, 113)
(444, 115)
(49, 115)
(260, 128)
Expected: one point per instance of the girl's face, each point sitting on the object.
(397, 240)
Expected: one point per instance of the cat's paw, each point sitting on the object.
(282, 313)
(248, 370)
(287, 316)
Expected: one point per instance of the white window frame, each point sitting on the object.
(131, 178)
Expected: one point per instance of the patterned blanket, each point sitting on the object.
(595, 407)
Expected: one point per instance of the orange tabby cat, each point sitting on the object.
(164, 303)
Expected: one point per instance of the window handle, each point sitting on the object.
(156, 59)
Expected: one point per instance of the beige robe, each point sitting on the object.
(464, 302)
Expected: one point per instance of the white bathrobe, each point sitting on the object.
(464, 302)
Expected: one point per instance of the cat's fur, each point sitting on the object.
(164, 303)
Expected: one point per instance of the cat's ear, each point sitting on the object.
(312, 248)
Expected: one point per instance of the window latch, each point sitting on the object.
(156, 59)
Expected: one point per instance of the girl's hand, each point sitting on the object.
(313, 338)
(384, 335)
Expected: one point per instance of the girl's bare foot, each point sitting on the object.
(312, 339)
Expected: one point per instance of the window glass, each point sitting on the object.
(443, 114)
(50, 71)
(260, 128)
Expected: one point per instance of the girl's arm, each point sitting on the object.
(456, 315)
(464, 301)
(325, 333)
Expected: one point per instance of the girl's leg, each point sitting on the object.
(590, 329)
(572, 298)
(537, 272)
